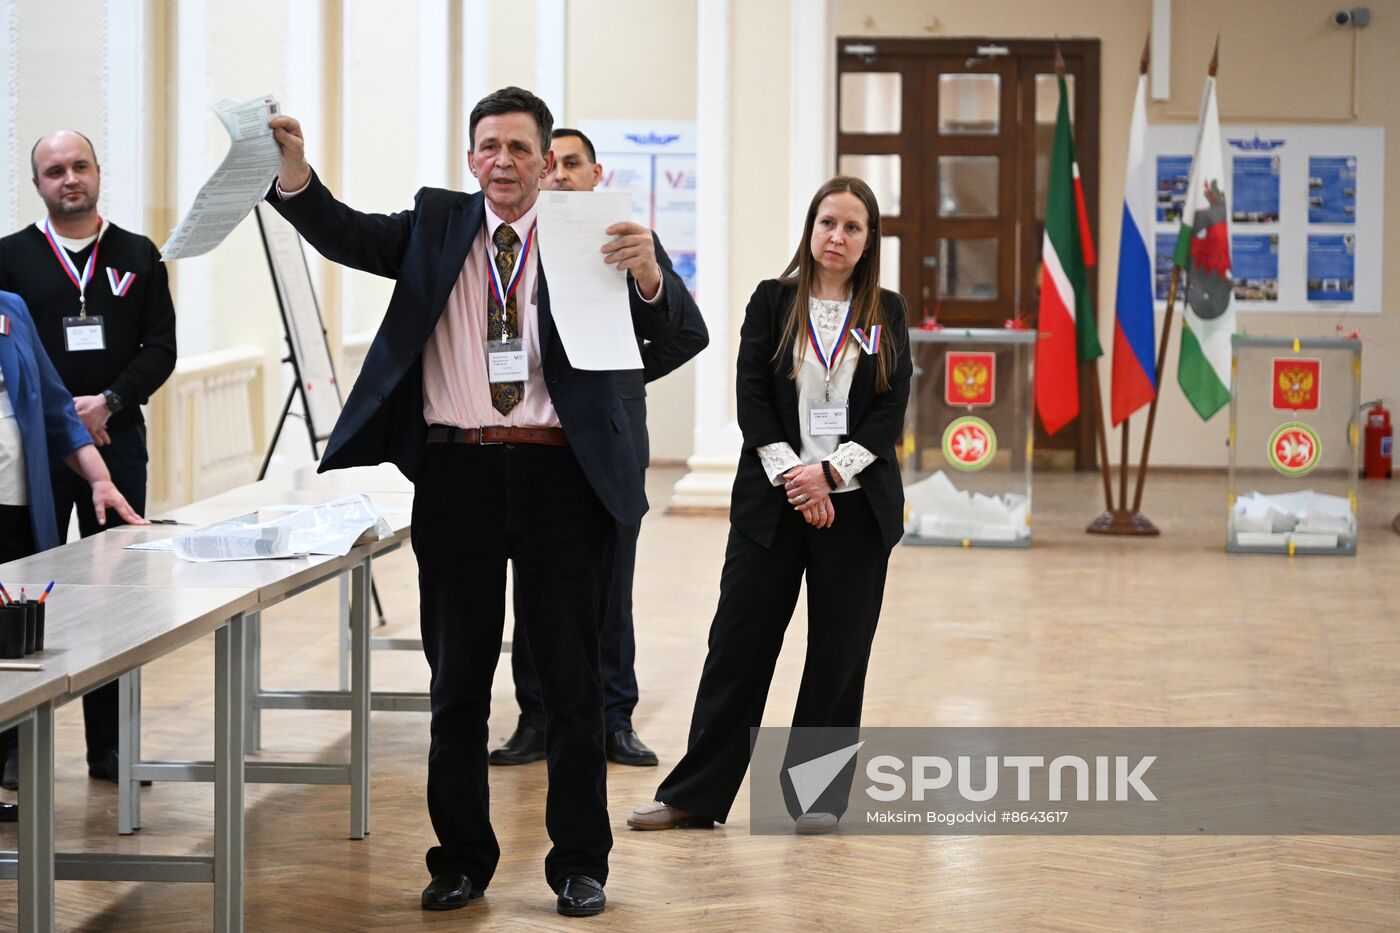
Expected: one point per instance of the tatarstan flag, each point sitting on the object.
(1067, 333)
(1203, 252)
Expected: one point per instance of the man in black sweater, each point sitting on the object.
(100, 299)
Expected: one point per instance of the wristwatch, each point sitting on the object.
(114, 401)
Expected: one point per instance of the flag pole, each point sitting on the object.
(1166, 335)
(1122, 521)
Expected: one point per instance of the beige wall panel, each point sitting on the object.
(379, 157)
(46, 37)
(512, 30)
(653, 79)
(759, 247)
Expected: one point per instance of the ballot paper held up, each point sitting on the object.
(587, 297)
(238, 184)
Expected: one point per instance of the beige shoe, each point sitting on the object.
(657, 815)
(815, 824)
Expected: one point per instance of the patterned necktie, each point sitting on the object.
(504, 323)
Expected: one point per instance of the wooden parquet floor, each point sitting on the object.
(1077, 631)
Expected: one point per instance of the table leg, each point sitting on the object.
(36, 911)
(230, 654)
(253, 712)
(128, 751)
(343, 657)
(359, 699)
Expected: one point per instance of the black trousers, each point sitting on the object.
(476, 508)
(845, 569)
(617, 647)
(125, 457)
(16, 541)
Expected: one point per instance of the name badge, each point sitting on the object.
(828, 419)
(83, 333)
(505, 360)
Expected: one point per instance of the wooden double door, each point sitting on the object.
(954, 137)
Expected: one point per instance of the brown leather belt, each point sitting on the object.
(549, 437)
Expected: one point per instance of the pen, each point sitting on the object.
(6, 593)
(166, 521)
(47, 590)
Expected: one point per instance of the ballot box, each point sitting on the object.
(1294, 445)
(968, 436)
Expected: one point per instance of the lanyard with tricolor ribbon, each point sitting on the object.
(502, 291)
(831, 357)
(79, 281)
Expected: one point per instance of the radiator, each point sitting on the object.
(207, 427)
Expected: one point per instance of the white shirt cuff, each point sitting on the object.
(654, 299)
(284, 194)
(777, 459)
(849, 459)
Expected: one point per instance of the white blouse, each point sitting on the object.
(13, 484)
(849, 458)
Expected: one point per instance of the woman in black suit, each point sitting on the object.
(823, 380)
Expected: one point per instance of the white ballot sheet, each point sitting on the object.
(239, 183)
(331, 528)
(587, 297)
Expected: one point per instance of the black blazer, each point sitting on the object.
(659, 357)
(768, 414)
(423, 250)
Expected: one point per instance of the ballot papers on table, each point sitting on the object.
(587, 297)
(333, 528)
(240, 182)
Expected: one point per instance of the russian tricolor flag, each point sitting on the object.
(1134, 353)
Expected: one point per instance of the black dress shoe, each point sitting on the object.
(9, 813)
(104, 767)
(625, 748)
(449, 891)
(581, 896)
(526, 744)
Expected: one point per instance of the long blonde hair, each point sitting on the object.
(865, 282)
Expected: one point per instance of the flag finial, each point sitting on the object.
(1215, 56)
(1059, 61)
(1146, 54)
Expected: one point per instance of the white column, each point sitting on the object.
(193, 278)
(717, 437)
(551, 47)
(126, 114)
(9, 115)
(1161, 49)
(435, 149)
(811, 159)
(476, 74)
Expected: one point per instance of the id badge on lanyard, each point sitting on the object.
(829, 417)
(506, 360)
(81, 332)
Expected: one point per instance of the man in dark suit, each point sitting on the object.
(516, 456)
(576, 168)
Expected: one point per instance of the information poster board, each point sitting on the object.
(302, 317)
(1305, 204)
(655, 161)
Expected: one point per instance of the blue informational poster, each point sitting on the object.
(1254, 264)
(1331, 190)
(1331, 267)
(1255, 192)
(1162, 263)
(1173, 175)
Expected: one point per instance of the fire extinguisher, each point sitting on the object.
(1378, 440)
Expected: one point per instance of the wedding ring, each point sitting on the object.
(802, 498)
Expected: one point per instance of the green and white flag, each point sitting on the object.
(1203, 254)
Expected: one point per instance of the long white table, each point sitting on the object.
(94, 634)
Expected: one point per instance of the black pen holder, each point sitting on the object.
(34, 625)
(14, 620)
